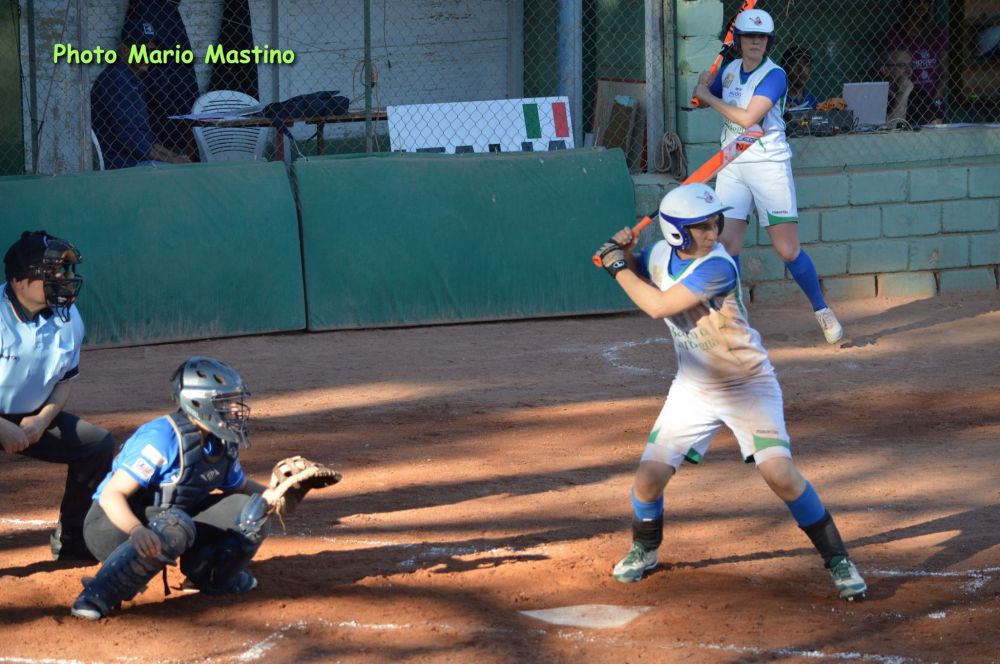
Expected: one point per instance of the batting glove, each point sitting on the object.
(612, 257)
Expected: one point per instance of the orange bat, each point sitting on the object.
(726, 155)
(646, 221)
(727, 41)
(708, 170)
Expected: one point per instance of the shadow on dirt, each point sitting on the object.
(927, 312)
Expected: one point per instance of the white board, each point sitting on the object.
(535, 124)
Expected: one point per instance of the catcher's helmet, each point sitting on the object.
(212, 394)
(687, 205)
(754, 22)
(38, 255)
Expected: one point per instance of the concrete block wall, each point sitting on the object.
(912, 232)
(696, 46)
(903, 230)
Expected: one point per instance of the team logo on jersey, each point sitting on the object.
(210, 474)
(152, 455)
(727, 81)
(142, 469)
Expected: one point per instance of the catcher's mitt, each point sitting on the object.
(293, 478)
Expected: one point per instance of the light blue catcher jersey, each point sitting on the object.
(35, 355)
(152, 457)
(774, 144)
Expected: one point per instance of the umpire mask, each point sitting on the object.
(38, 255)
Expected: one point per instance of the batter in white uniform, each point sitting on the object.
(723, 377)
(751, 91)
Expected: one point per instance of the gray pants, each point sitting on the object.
(87, 450)
(214, 519)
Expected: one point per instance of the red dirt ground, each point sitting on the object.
(486, 472)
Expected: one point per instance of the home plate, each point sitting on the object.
(600, 616)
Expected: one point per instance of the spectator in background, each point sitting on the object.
(907, 101)
(927, 44)
(118, 110)
(172, 87)
(797, 64)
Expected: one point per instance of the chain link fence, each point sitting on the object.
(204, 80)
(897, 67)
(112, 84)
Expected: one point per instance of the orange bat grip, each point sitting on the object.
(714, 68)
(646, 221)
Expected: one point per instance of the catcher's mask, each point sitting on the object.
(212, 394)
(38, 255)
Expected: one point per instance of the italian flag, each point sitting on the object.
(554, 112)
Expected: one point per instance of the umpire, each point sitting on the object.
(41, 333)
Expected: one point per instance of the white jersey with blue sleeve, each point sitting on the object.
(738, 88)
(152, 457)
(35, 354)
(715, 344)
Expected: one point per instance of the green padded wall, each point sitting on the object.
(172, 253)
(404, 239)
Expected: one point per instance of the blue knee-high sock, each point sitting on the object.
(804, 273)
(647, 511)
(807, 508)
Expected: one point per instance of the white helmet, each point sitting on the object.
(687, 205)
(754, 22)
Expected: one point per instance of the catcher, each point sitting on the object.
(177, 490)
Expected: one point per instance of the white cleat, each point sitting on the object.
(850, 585)
(831, 326)
(635, 564)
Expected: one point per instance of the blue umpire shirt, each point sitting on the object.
(120, 117)
(152, 457)
(35, 354)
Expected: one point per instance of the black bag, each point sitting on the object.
(313, 104)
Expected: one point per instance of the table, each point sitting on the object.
(279, 137)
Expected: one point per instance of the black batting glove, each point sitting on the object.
(612, 257)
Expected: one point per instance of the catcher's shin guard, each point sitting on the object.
(214, 566)
(648, 533)
(826, 538)
(125, 572)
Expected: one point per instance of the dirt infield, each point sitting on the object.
(486, 473)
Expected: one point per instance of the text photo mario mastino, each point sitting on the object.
(153, 55)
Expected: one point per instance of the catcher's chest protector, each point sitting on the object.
(198, 476)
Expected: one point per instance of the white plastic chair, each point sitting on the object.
(228, 143)
(98, 152)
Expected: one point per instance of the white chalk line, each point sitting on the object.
(251, 654)
(434, 551)
(611, 355)
(23, 660)
(260, 648)
(977, 577)
(22, 524)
